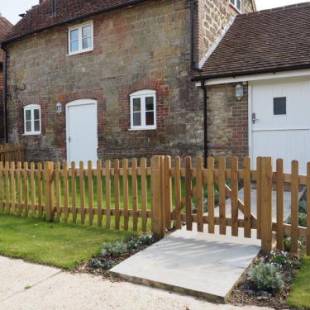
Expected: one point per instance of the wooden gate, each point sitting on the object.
(207, 198)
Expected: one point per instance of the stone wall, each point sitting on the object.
(214, 15)
(228, 121)
(144, 46)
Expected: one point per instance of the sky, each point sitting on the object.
(12, 8)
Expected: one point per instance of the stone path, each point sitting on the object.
(194, 263)
(27, 286)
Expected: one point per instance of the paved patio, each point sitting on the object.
(27, 286)
(193, 263)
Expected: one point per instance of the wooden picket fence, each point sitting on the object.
(161, 195)
(12, 152)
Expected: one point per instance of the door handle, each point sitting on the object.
(254, 119)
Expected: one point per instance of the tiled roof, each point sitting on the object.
(266, 41)
(5, 27)
(41, 16)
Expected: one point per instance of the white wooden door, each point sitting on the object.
(280, 121)
(82, 140)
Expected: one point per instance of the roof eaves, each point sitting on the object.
(70, 20)
(204, 77)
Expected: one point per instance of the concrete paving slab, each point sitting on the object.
(199, 264)
(67, 291)
(16, 276)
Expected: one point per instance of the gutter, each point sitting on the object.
(205, 121)
(250, 72)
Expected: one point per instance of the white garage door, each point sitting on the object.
(281, 121)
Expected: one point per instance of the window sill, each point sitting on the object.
(81, 52)
(32, 134)
(142, 129)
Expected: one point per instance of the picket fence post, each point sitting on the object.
(48, 175)
(156, 185)
(266, 204)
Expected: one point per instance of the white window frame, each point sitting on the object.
(142, 95)
(32, 108)
(80, 37)
(234, 4)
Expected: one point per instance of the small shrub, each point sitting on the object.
(266, 277)
(136, 242)
(114, 249)
(97, 263)
(282, 260)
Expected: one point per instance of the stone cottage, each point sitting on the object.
(104, 79)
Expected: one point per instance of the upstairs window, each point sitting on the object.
(143, 110)
(236, 4)
(32, 119)
(81, 38)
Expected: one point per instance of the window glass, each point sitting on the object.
(28, 126)
(86, 37)
(136, 119)
(32, 121)
(74, 40)
(28, 115)
(136, 105)
(149, 119)
(149, 102)
(279, 106)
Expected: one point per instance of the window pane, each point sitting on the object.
(36, 114)
(37, 126)
(28, 115)
(239, 4)
(28, 126)
(74, 40)
(279, 106)
(136, 105)
(149, 102)
(149, 118)
(86, 32)
(86, 43)
(137, 119)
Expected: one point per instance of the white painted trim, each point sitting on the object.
(250, 125)
(216, 43)
(31, 108)
(258, 77)
(79, 28)
(78, 102)
(142, 94)
(281, 129)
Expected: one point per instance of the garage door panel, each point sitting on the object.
(281, 126)
(288, 145)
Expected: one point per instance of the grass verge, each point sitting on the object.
(56, 244)
(300, 293)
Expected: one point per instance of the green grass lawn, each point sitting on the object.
(300, 294)
(56, 244)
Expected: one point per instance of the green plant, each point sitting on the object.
(114, 249)
(135, 242)
(266, 277)
(282, 260)
(102, 263)
(302, 206)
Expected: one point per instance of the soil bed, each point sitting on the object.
(246, 294)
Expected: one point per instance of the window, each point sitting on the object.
(279, 106)
(32, 119)
(143, 110)
(236, 4)
(81, 38)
